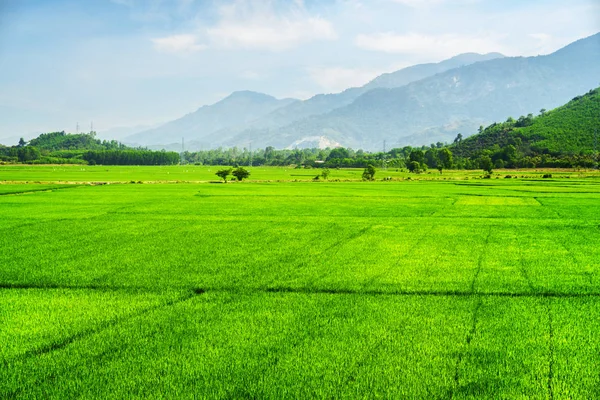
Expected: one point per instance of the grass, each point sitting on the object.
(411, 289)
(194, 173)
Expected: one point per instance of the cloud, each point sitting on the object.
(185, 43)
(260, 25)
(438, 45)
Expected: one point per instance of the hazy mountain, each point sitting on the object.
(458, 100)
(324, 103)
(238, 109)
(421, 71)
(121, 132)
(221, 122)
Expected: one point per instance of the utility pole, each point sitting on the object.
(77, 128)
(91, 126)
(182, 149)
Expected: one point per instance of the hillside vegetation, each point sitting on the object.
(82, 148)
(569, 130)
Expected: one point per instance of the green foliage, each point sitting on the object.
(224, 173)
(564, 137)
(369, 173)
(414, 166)
(485, 163)
(445, 159)
(63, 148)
(130, 157)
(463, 289)
(325, 173)
(240, 173)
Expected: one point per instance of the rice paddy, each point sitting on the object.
(479, 288)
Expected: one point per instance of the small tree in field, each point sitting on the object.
(223, 173)
(240, 173)
(325, 173)
(485, 163)
(444, 159)
(369, 173)
(414, 166)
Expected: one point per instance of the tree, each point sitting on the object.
(369, 173)
(325, 173)
(458, 138)
(240, 173)
(223, 173)
(414, 166)
(417, 155)
(22, 143)
(431, 158)
(338, 152)
(485, 163)
(445, 159)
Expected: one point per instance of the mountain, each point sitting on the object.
(238, 109)
(324, 103)
(569, 129)
(232, 129)
(421, 71)
(121, 132)
(458, 100)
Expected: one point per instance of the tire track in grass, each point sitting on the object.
(551, 351)
(469, 338)
(361, 292)
(480, 260)
(524, 272)
(300, 290)
(53, 189)
(58, 345)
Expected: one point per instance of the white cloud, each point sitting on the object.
(336, 79)
(444, 45)
(185, 43)
(258, 25)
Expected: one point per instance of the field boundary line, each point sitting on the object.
(550, 352)
(480, 260)
(374, 292)
(469, 338)
(39, 190)
(524, 272)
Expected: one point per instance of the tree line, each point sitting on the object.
(83, 148)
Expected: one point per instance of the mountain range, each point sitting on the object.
(413, 106)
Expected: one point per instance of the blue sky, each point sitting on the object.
(138, 62)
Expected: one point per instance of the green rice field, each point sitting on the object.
(451, 288)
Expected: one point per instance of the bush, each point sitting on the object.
(369, 173)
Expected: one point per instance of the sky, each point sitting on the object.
(124, 63)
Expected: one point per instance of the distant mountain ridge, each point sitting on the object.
(432, 103)
(421, 71)
(233, 130)
(458, 100)
(238, 109)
